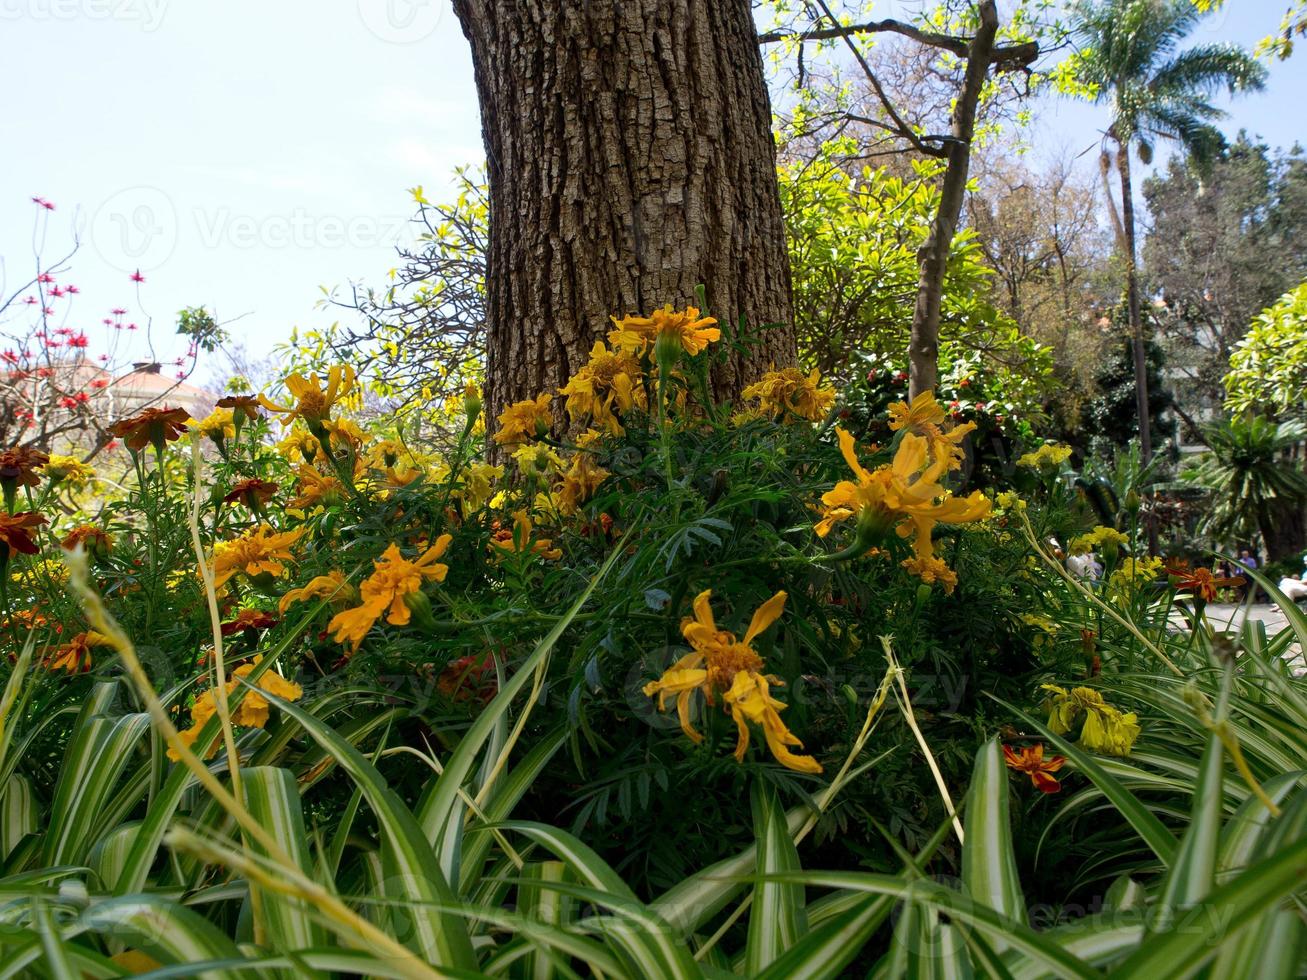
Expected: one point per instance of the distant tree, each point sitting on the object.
(1268, 369)
(1039, 232)
(969, 56)
(1111, 418)
(1228, 236)
(1130, 61)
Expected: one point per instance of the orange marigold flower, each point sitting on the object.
(16, 533)
(529, 419)
(1201, 583)
(152, 427)
(75, 655)
(246, 406)
(390, 591)
(18, 466)
(330, 586)
(518, 538)
(261, 551)
(93, 540)
(683, 329)
(1031, 761)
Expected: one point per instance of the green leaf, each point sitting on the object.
(1192, 873)
(776, 918)
(272, 798)
(989, 865)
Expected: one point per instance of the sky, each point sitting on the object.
(241, 155)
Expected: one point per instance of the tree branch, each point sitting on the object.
(1005, 58)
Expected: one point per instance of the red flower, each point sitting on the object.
(137, 277)
(1030, 760)
(15, 531)
(249, 619)
(252, 493)
(18, 466)
(154, 426)
(43, 203)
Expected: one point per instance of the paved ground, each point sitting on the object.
(1228, 616)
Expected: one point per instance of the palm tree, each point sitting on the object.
(1130, 62)
(1256, 484)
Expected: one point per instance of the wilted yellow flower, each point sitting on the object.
(537, 460)
(789, 393)
(1106, 729)
(313, 398)
(609, 383)
(394, 584)
(529, 419)
(722, 665)
(299, 446)
(1047, 457)
(580, 482)
(1109, 539)
(683, 329)
(316, 489)
(478, 485)
(75, 655)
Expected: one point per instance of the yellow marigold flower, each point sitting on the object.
(1047, 457)
(299, 446)
(902, 495)
(1109, 539)
(529, 419)
(478, 485)
(394, 582)
(262, 551)
(40, 571)
(931, 570)
(789, 393)
(1133, 574)
(1009, 500)
(537, 459)
(316, 489)
(721, 664)
(385, 453)
(683, 329)
(313, 398)
(924, 417)
(219, 425)
(345, 432)
(68, 470)
(609, 381)
(580, 482)
(332, 585)
(518, 538)
(252, 712)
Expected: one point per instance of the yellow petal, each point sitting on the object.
(767, 614)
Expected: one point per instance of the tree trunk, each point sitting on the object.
(630, 159)
(1132, 302)
(923, 348)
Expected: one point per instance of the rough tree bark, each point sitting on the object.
(1132, 301)
(630, 158)
(923, 347)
